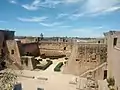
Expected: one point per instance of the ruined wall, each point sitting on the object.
(55, 48)
(29, 40)
(6, 35)
(13, 51)
(114, 56)
(91, 40)
(2, 50)
(86, 57)
(92, 53)
(30, 49)
(20, 47)
(28, 62)
(47, 48)
(1, 42)
(116, 66)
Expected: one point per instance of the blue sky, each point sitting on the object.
(83, 18)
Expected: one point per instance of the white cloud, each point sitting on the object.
(62, 15)
(72, 1)
(100, 27)
(50, 24)
(33, 6)
(33, 19)
(30, 7)
(13, 1)
(112, 9)
(65, 26)
(97, 7)
(36, 4)
(76, 16)
(94, 8)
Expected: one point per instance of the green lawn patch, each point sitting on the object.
(57, 68)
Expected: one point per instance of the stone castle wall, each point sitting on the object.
(13, 51)
(88, 56)
(1, 42)
(55, 48)
(30, 49)
(113, 56)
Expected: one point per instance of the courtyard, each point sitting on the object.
(50, 80)
(47, 79)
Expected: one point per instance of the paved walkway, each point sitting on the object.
(55, 81)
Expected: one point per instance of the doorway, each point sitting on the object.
(105, 74)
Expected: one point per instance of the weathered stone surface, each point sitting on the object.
(89, 56)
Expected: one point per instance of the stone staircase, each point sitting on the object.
(93, 70)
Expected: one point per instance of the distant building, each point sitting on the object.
(113, 50)
(27, 39)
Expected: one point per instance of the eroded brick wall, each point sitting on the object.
(55, 48)
(88, 56)
(13, 51)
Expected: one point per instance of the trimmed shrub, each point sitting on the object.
(111, 82)
(57, 68)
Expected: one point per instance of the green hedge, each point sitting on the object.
(57, 68)
(45, 66)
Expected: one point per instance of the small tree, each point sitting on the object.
(111, 83)
(41, 36)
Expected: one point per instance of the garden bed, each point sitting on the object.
(45, 66)
(57, 68)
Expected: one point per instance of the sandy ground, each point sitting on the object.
(56, 80)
